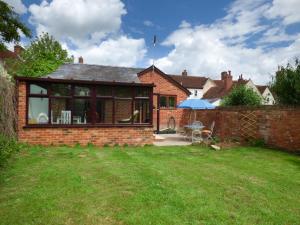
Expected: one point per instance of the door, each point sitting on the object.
(156, 112)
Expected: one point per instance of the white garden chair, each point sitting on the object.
(66, 117)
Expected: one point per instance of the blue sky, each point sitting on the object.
(204, 37)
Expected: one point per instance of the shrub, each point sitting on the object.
(286, 84)
(7, 147)
(241, 95)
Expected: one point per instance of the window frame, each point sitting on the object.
(93, 98)
(168, 102)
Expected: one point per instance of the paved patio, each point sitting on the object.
(170, 140)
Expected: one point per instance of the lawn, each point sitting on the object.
(150, 185)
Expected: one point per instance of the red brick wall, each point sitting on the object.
(278, 126)
(164, 87)
(70, 136)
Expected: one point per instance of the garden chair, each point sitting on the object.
(130, 119)
(196, 136)
(209, 132)
(66, 117)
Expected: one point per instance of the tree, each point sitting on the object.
(43, 56)
(241, 95)
(286, 84)
(10, 25)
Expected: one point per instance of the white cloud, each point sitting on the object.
(89, 28)
(17, 5)
(288, 10)
(224, 45)
(148, 23)
(78, 21)
(122, 51)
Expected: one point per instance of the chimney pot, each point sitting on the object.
(184, 73)
(18, 49)
(80, 60)
(224, 75)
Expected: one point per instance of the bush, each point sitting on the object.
(7, 147)
(286, 84)
(241, 95)
(8, 116)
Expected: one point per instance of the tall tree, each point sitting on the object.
(241, 95)
(286, 84)
(43, 56)
(10, 25)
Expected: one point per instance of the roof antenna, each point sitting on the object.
(154, 45)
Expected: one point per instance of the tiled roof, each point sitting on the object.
(190, 81)
(261, 88)
(219, 90)
(7, 54)
(96, 72)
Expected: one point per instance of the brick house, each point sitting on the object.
(84, 104)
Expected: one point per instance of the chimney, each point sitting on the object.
(227, 78)
(224, 75)
(184, 73)
(241, 78)
(80, 60)
(18, 49)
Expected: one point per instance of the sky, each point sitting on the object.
(249, 37)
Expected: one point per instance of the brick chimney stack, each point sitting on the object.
(227, 79)
(184, 73)
(80, 60)
(18, 49)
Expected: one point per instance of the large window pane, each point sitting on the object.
(172, 102)
(38, 111)
(104, 111)
(142, 92)
(61, 111)
(82, 112)
(123, 92)
(61, 89)
(40, 89)
(163, 101)
(142, 111)
(104, 91)
(82, 91)
(123, 111)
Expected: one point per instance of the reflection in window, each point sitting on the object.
(172, 102)
(163, 101)
(142, 92)
(61, 89)
(123, 92)
(82, 91)
(104, 111)
(38, 89)
(123, 112)
(104, 91)
(82, 112)
(38, 110)
(61, 111)
(143, 109)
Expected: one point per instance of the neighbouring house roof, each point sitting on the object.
(7, 54)
(261, 88)
(219, 90)
(96, 73)
(190, 81)
(166, 76)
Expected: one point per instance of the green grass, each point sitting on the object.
(150, 185)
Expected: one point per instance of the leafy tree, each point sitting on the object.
(241, 95)
(10, 25)
(286, 84)
(43, 56)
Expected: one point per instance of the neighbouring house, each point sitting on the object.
(215, 90)
(7, 54)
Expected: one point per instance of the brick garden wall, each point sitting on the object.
(164, 87)
(277, 126)
(70, 136)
